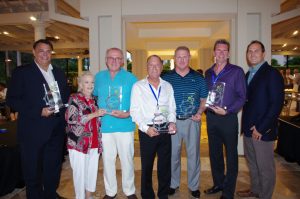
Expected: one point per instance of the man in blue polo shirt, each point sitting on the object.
(113, 88)
(190, 93)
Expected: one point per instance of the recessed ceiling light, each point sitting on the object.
(52, 52)
(295, 32)
(32, 18)
(296, 48)
(56, 37)
(5, 32)
(284, 45)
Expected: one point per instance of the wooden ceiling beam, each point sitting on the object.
(67, 9)
(79, 33)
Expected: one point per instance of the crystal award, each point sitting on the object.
(215, 95)
(114, 99)
(160, 119)
(187, 106)
(52, 97)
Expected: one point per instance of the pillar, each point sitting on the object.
(79, 65)
(39, 30)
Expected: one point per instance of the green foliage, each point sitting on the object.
(129, 65)
(274, 62)
(294, 60)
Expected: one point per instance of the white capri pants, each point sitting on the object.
(85, 169)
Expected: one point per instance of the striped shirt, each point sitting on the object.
(188, 91)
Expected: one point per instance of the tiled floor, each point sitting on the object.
(287, 184)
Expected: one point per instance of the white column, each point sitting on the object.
(253, 23)
(19, 60)
(7, 64)
(39, 30)
(105, 32)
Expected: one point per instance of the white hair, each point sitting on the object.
(80, 78)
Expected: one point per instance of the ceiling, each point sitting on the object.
(74, 40)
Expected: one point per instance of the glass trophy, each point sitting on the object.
(187, 106)
(52, 97)
(160, 119)
(215, 95)
(114, 99)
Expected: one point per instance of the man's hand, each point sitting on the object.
(152, 132)
(196, 117)
(46, 112)
(255, 134)
(172, 128)
(218, 110)
(119, 114)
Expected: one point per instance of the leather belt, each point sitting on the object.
(183, 117)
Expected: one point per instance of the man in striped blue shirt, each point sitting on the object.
(190, 93)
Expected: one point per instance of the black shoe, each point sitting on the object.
(109, 197)
(224, 197)
(59, 197)
(212, 190)
(195, 194)
(172, 190)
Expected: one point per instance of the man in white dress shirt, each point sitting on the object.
(153, 109)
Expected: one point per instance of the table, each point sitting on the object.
(10, 166)
(288, 144)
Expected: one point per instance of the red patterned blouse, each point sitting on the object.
(83, 134)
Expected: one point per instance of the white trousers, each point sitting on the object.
(122, 144)
(85, 169)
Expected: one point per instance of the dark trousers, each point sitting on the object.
(223, 130)
(149, 147)
(41, 164)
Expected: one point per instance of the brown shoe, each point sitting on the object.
(132, 196)
(246, 194)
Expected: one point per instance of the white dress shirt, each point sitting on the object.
(48, 75)
(143, 103)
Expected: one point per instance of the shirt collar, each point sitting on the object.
(254, 69)
(49, 68)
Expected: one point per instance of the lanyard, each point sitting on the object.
(215, 78)
(156, 97)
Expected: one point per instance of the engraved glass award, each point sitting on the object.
(187, 106)
(52, 97)
(114, 99)
(215, 95)
(160, 119)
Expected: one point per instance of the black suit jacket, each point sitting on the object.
(265, 96)
(25, 95)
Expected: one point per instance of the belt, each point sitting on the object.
(210, 111)
(181, 117)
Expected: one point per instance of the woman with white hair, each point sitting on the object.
(84, 137)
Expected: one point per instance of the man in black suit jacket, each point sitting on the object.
(265, 95)
(40, 131)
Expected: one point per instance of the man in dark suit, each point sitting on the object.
(40, 129)
(265, 95)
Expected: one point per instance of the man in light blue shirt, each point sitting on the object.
(113, 88)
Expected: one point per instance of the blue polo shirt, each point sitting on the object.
(188, 91)
(123, 82)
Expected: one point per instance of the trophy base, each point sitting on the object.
(161, 128)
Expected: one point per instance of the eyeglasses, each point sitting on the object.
(116, 59)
